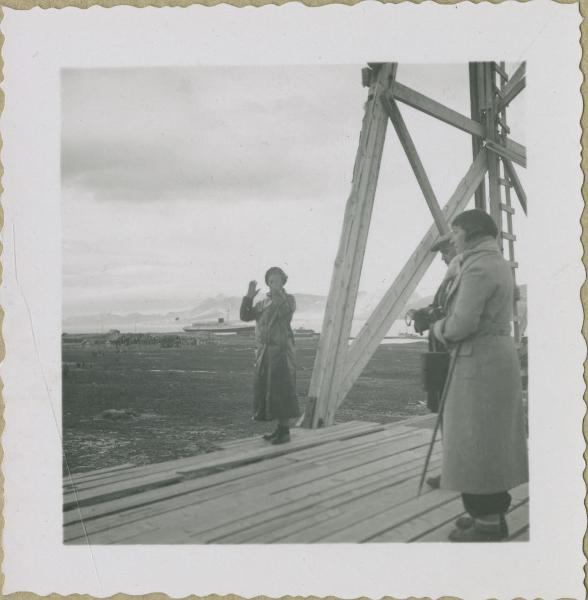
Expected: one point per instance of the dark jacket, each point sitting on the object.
(274, 394)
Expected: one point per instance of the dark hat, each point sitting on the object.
(272, 270)
(442, 242)
(476, 222)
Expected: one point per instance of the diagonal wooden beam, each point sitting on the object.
(509, 152)
(518, 150)
(516, 183)
(433, 108)
(342, 297)
(514, 87)
(394, 301)
(416, 164)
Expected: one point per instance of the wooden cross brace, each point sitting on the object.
(338, 364)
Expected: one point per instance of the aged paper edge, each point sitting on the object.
(83, 4)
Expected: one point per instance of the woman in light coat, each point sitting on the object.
(484, 441)
(275, 367)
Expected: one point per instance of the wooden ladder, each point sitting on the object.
(506, 208)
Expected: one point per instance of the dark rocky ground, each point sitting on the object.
(173, 402)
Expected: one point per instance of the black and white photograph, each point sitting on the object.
(294, 309)
(292, 301)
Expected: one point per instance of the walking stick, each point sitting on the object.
(438, 422)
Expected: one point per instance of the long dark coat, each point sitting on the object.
(484, 439)
(274, 394)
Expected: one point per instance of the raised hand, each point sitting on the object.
(252, 290)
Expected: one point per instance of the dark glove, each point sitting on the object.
(421, 321)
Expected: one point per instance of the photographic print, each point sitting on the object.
(292, 301)
(294, 306)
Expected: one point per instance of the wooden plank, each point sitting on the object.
(359, 482)
(343, 447)
(308, 529)
(416, 164)
(295, 523)
(418, 421)
(222, 459)
(523, 536)
(203, 521)
(438, 517)
(136, 473)
(116, 490)
(379, 527)
(243, 473)
(375, 508)
(342, 296)
(207, 488)
(75, 478)
(435, 109)
(516, 183)
(126, 503)
(517, 149)
(364, 466)
(394, 301)
(518, 520)
(511, 90)
(268, 451)
(510, 152)
(500, 71)
(142, 506)
(298, 432)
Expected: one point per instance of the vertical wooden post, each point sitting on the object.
(336, 329)
(492, 134)
(476, 94)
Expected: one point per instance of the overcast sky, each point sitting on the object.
(179, 183)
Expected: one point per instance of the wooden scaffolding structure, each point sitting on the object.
(338, 364)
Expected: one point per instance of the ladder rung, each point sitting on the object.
(513, 264)
(504, 125)
(508, 236)
(504, 182)
(507, 209)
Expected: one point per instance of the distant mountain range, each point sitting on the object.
(309, 309)
(309, 313)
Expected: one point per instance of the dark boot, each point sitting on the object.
(464, 522)
(482, 531)
(282, 436)
(434, 482)
(268, 437)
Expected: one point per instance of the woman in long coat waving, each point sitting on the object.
(484, 440)
(275, 367)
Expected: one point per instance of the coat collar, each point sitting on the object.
(482, 247)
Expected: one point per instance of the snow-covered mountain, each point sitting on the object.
(309, 312)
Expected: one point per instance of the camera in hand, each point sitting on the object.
(423, 318)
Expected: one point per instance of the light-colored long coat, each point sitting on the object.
(484, 440)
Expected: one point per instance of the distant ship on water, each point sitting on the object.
(302, 332)
(219, 326)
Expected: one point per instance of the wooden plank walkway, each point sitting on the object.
(353, 482)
